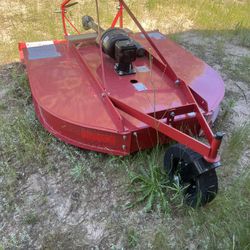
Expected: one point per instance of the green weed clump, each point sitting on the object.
(149, 183)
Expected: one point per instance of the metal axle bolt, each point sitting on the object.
(219, 135)
(177, 82)
(172, 114)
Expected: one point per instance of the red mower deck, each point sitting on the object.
(64, 82)
(81, 99)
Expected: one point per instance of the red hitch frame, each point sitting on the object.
(157, 120)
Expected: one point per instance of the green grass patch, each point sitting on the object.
(238, 140)
(31, 218)
(227, 222)
(149, 183)
(239, 70)
(133, 238)
(80, 166)
(24, 139)
(36, 22)
(227, 108)
(242, 33)
(160, 240)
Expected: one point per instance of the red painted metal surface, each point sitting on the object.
(80, 99)
(119, 16)
(65, 19)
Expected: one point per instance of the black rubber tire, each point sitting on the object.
(198, 190)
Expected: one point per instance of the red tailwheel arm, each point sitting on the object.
(208, 152)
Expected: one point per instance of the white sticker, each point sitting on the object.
(139, 86)
(142, 69)
(38, 44)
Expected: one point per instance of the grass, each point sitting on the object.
(225, 215)
(80, 167)
(132, 238)
(237, 143)
(219, 51)
(160, 240)
(226, 111)
(237, 70)
(25, 147)
(31, 218)
(37, 21)
(149, 183)
(149, 186)
(242, 34)
(219, 225)
(223, 225)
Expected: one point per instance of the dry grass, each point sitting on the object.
(26, 21)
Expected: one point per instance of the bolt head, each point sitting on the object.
(219, 135)
(177, 82)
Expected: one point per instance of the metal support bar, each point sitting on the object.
(115, 115)
(209, 152)
(189, 93)
(167, 130)
(172, 73)
(118, 16)
(177, 111)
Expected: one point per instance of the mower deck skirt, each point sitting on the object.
(64, 83)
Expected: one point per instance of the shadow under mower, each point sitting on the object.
(117, 92)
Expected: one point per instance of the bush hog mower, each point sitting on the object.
(117, 92)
